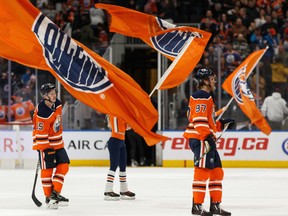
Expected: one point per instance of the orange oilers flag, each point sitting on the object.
(162, 36)
(30, 38)
(236, 86)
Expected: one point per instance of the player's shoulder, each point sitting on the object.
(58, 103)
(43, 110)
(200, 94)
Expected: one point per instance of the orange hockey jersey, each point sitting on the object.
(118, 127)
(47, 126)
(21, 111)
(201, 115)
(3, 114)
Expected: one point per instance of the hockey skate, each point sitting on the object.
(134, 163)
(197, 209)
(216, 209)
(128, 195)
(56, 200)
(111, 196)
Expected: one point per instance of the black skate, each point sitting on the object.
(52, 202)
(128, 195)
(197, 209)
(56, 199)
(216, 209)
(63, 201)
(111, 196)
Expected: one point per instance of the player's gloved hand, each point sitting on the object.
(231, 123)
(210, 142)
(50, 156)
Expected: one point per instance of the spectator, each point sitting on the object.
(85, 33)
(239, 28)
(208, 23)
(268, 25)
(251, 10)
(231, 60)
(225, 29)
(151, 7)
(283, 55)
(243, 15)
(279, 75)
(260, 20)
(277, 20)
(256, 40)
(25, 79)
(284, 40)
(4, 88)
(270, 40)
(241, 46)
(97, 17)
(275, 109)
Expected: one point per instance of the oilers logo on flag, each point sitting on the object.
(171, 43)
(69, 60)
(239, 83)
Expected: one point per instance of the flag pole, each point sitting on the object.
(227, 105)
(171, 67)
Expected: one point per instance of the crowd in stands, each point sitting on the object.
(238, 28)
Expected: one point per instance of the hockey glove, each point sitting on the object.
(209, 142)
(231, 123)
(50, 157)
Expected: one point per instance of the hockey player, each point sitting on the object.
(3, 114)
(21, 110)
(201, 133)
(118, 157)
(47, 140)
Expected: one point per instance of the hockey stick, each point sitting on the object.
(34, 198)
(207, 144)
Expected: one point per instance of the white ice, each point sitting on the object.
(159, 191)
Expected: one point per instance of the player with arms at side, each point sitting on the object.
(201, 133)
(47, 140)
(118, 157)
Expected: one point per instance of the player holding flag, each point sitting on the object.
(201, 133)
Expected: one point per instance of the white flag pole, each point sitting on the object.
(170, 68)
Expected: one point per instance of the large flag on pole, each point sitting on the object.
(30, 38)
(236, 86)
(162, 36)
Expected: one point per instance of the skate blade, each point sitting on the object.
(52, 205)
(128, 198)
(108, 198)
(63, 204)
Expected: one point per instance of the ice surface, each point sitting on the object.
(159, 191)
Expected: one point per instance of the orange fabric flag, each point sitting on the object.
(30, 38)
(236, 85)
(162, 36)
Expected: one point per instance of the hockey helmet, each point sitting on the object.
(46, 88)
(204, 74)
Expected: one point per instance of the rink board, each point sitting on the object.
(89, 148)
